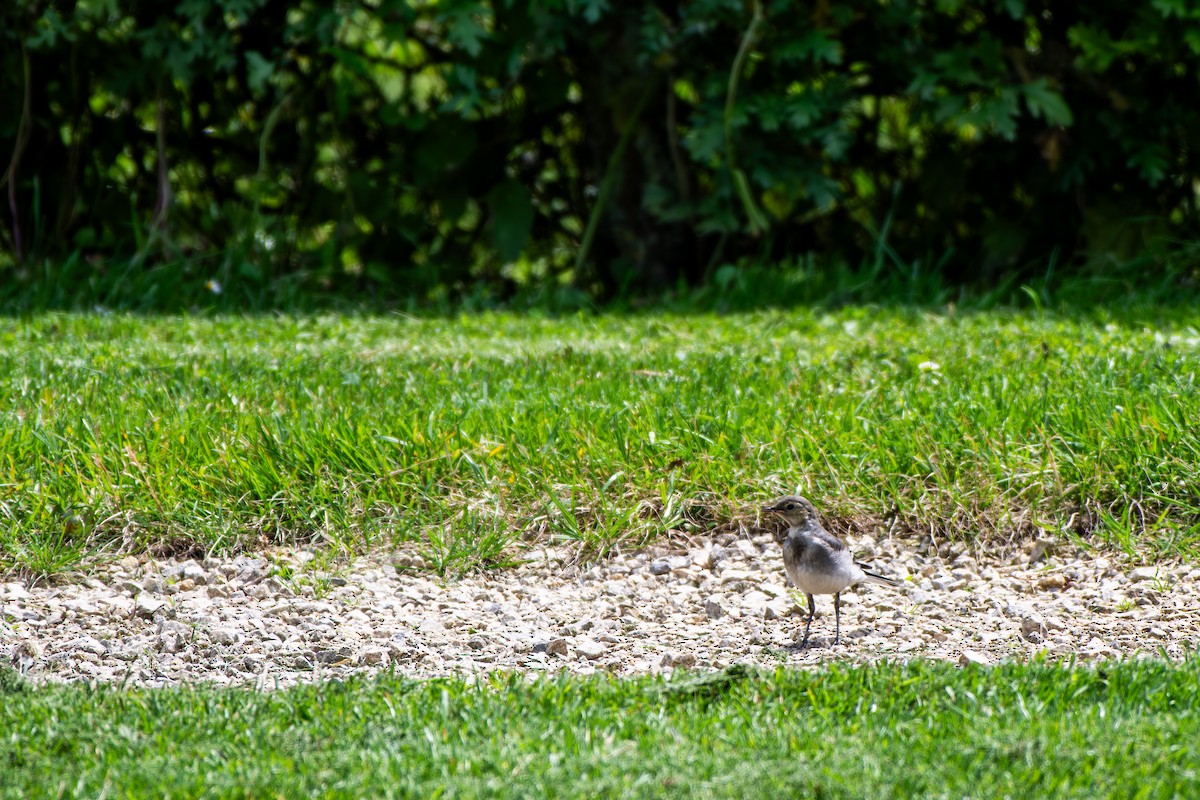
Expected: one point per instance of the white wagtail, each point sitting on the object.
(817, 562)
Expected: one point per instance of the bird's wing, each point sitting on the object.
(828, 539)
(824, 552)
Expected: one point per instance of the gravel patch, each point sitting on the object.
(241, 621)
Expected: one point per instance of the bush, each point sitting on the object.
(423, 149)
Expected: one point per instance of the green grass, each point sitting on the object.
(467, 434)
(913, 730)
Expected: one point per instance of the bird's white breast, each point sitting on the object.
(815, 581)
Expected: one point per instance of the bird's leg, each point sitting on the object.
(812, 609)
(837, 616)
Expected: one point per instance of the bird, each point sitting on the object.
(816, 561)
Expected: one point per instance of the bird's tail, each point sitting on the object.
(874, 578)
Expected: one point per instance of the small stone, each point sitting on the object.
(193, 572)
(679, 660)
(776, 609)
(338, 656)
(557, 647)
(589, 648)
(1052, 582)
(1041, 548)
(713, 608)
(703, 558)
(25, 654)
(477, 642)
(250, 575)
(679, 562)
(1032, 624)
(225, 636)
(659, 567)
(374, 655)
(81, 606)
(746, 548)
(1144, 574)
(147, 606)
(168, 626)
(968, 657)
(755, 602)
(170, 642)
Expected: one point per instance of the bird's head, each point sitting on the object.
(797, 511)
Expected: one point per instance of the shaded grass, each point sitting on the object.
(465, 435)
(912, 730)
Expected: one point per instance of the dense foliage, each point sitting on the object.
(428, 146)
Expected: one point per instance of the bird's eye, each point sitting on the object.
(791, 506)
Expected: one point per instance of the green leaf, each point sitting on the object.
(511, 210)
(351, 61)
(1097, 49)
(258, 70)
(814, 45)
(592, 9)
(1183, 9)
(1043, 101)
(996, 113)
(802, 110)
(466, 32)
(1152, 161)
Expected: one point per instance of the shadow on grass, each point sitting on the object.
(1147, 289)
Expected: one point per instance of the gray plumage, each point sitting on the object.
(817, 562)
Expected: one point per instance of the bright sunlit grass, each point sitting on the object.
(885, 730)
(467, 434)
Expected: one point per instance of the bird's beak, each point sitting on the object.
(769, 509)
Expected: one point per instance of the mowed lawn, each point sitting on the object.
(469, 434)
(1126, 730)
